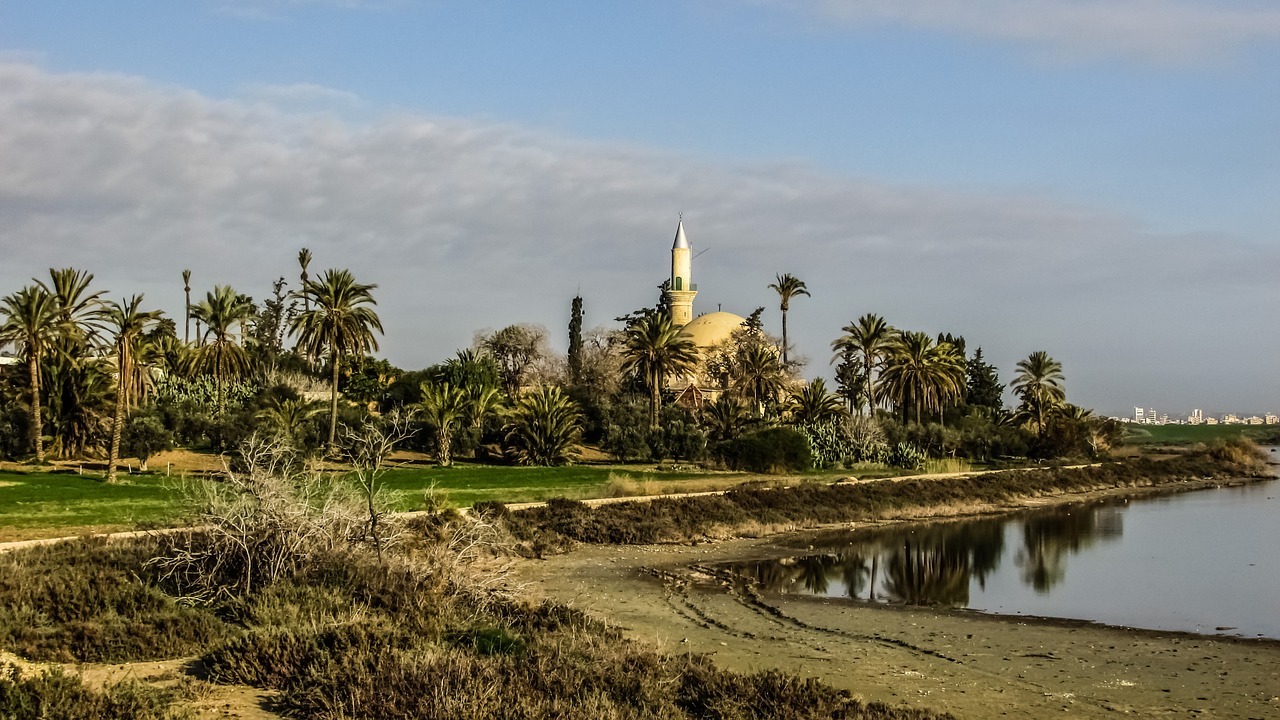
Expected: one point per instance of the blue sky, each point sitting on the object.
(1095, 179)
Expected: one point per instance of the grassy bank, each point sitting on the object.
(42, 504)
(751, 511)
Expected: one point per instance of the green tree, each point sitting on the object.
(304, 261)
(186, 288)
(543, 428)
(654, 350)
(288, 418)
(982, 385)
(80, 311)
(144, 436)
(726, 418)
(339, 321)
(787, 286)
(1039, 385)
(575, 340)
(218, 354)
(868, 341)
(813, 404)
(128, 322)
(921, 376)
(758, 376)
(444, 407)
(31, 323)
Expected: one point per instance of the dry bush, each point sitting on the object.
(267, 519)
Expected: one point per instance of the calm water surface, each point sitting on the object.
(1205, 562)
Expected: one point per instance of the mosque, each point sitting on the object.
(706, 331)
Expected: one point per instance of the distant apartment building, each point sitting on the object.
(1211, 420)
(1230, 419)
(1196, 417)
(1272, 418)
(1139, 415)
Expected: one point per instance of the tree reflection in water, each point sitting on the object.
(1049, 536)
(934, 564)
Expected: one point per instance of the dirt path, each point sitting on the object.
(974, 665)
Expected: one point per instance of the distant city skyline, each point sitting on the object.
(1033, 176)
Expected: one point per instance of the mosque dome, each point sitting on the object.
(711, 329)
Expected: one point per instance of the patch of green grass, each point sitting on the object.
(464, 485)
(60, 500)
(1191, 434)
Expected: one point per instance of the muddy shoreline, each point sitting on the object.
(972, 664)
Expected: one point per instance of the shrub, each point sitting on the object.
(775, 450)
(55, 695)
(86, 602)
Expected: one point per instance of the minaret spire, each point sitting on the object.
(681, 292)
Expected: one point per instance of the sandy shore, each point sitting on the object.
(973, 665)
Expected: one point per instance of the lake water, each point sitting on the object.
(1204, 562)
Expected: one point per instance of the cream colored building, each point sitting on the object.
(707, 331)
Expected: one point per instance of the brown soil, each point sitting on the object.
(970, 664)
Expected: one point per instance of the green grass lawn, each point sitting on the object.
(1188, 434)
(464, 484)
(46, 501)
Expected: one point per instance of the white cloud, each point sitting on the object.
(304, 96)
(1155, 30)
(467, 225)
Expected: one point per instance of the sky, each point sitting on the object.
(1097, 179)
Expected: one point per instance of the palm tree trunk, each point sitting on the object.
(333, 404)
(116, 425)
(655, 398)
(784, 337)
(871, 391)
(37, 425)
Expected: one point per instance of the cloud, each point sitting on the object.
(1151, 30)
(467, 224)
(304, 97)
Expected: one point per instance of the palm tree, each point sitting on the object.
(869, 340)
(922, 376)
(186, 288)
(787, 287)
(725, 418)
(654, 349)
(813, 404)
(219, 354)
(304, 260)
(444, 406)
(31, 324)
(1038, 383)
(289, 418)
(482, 402)
(757, 375)
(128, 322)
(80, 312)
(544, 428)
(339, 322)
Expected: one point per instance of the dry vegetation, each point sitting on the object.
(284, 589)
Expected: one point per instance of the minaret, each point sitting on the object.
(680, 295)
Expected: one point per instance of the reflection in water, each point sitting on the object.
(935, 564)
(1048, 537)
